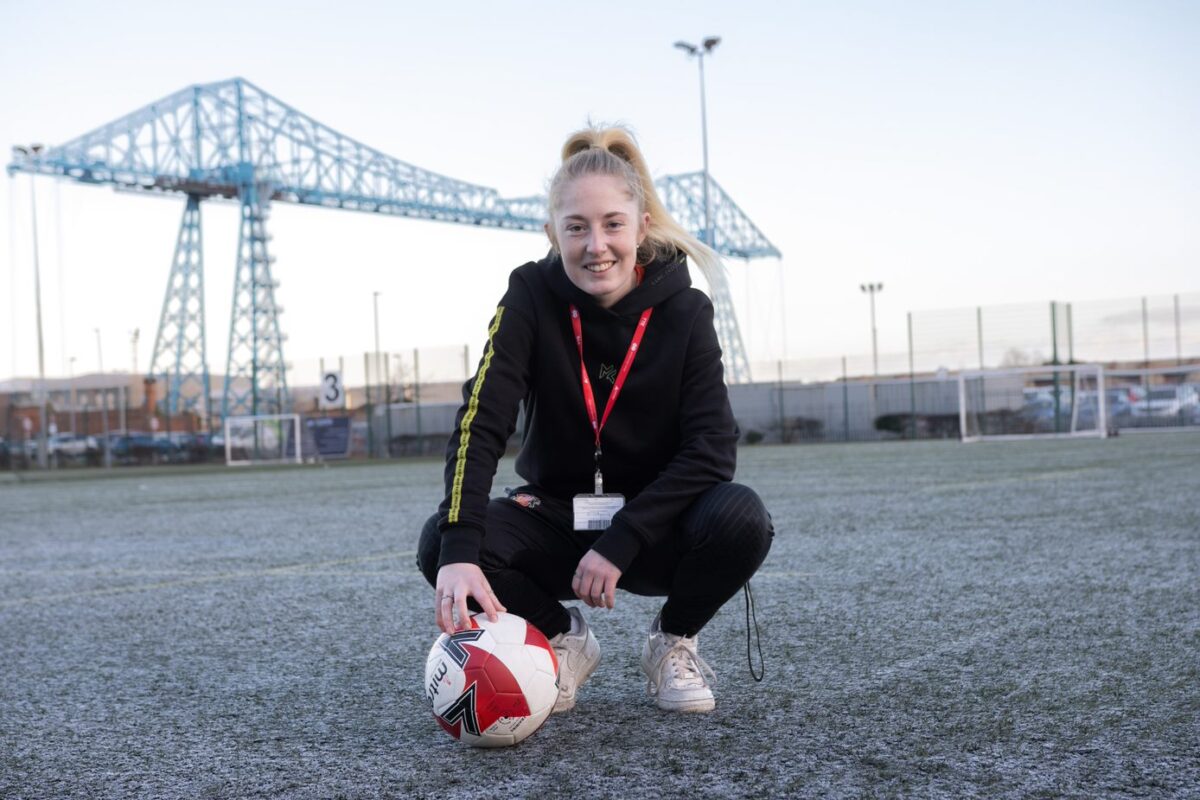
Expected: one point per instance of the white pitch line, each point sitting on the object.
(1014, 479)
(199, 579)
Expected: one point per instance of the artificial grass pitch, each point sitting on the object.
(1016, 619)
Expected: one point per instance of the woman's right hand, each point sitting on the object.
(455, 583)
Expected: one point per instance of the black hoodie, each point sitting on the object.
(671, 433)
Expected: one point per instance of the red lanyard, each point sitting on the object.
(588, 399)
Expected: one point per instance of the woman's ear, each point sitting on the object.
(550, 235)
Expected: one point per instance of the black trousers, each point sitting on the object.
(530, 550)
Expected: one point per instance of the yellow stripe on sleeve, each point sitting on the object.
(464, 439)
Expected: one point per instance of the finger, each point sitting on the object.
(487, 601)
(610, 591)
(594, 587)
(597, 592)
(499, 606)
(445, 619)
(577, 585)
(460, 603)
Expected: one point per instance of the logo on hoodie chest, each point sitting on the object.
(608, 372)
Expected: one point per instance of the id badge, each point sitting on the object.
(594, 512)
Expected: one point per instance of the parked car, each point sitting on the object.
(1164, 402)
(1038, 413)
(195, 447)
(24, 450)
(142, 448)
(73, 447)
(1117, 409)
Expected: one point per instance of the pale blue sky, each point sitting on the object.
(962, 153)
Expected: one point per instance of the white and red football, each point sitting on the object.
(493, 684)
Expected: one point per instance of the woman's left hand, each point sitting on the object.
(595, 581)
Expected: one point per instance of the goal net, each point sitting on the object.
(262, 439)
(1033, 402)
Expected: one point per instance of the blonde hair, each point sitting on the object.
(613, 151)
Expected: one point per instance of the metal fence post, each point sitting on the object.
(1145, 334)
(387, 388)
(417, 398)
(370, 408)
(1070, 336)
(978, 333)
(1054, 361)
(783, 431)
(912, 386)
(104, 417)
(845, 403)
(1178, 336)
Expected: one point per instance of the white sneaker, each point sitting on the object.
(578, 654)
(678, 677)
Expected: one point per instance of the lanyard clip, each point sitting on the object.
(599, 482)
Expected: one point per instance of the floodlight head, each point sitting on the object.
(710, 42)
(690, 49)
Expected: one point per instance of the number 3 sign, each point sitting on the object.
(332, 393)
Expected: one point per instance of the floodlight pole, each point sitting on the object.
(707, 45)
(43, 445)
(872, 289)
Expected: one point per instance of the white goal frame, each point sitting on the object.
(1073, 371)
(255, 420)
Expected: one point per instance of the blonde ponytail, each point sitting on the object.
(613, 151)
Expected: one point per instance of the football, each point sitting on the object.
(493, 684)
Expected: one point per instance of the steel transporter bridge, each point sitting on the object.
(231, 140)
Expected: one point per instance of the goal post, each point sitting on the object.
(1050, 402)
(263, 439)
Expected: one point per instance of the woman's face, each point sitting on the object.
(598, 229)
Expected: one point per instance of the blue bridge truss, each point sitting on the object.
(234, 141)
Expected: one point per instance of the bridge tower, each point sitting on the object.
(180, 352)
(255, 371)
